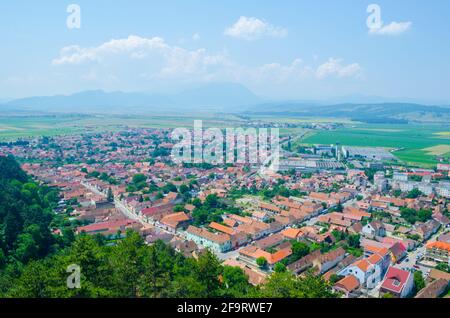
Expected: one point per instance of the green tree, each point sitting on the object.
(235, 282)
(414, 193)
(443, 267)
(419, 282)
(138, 178)
(299, 249)
(208, 271)
(110, 195)
(287, 285)
(127, 263)
(354, 240)
(261, 262)
(279, 268)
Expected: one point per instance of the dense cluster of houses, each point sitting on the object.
(95, 174)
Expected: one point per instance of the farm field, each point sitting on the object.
(12, 128)
(416, 144)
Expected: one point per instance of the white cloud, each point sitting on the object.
(251, 28)
(135, 46)
(393, 28)
(162, 59)
(137, 62)
(279, 73)
(196, 36)
(334, 67)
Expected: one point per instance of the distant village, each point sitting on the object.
(367, 224)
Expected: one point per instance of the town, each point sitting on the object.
(368, 224)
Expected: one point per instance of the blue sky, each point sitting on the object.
(279, 49)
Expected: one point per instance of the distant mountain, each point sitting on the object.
(373, 99)
(367, 112)
(224, 97)
(217, 96)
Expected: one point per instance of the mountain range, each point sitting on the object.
(228, 98)
(212, 97)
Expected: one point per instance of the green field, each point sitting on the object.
(12, 128)
(412, 140)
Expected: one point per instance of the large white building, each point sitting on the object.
(217, 242)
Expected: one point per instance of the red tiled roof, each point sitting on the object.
(395, 279)
(349, 283)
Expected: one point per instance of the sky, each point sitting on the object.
(280, 49)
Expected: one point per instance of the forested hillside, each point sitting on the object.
(25, 215)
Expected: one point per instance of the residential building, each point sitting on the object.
(397, 282)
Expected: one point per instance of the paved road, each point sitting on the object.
(412, 256)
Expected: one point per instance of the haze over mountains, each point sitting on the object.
(215, 97)
(229, 98)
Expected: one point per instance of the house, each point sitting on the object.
(267, 207)
(370, 270)
(427, 229)
(292, 234)
(171, 197)
(187, 248)
(251, 253)
(218, 242)
(397, 282)
(320, 262)
(238, 238)
(270, 241)
(335, 219)
(444, 237)
(175, 221)
(347, 285)
(109, 228)
(380, 250)
(398, 252)
(254, 229)
(304, 263)
(434, 290)
(441, 218)
(330, 260)
(374, 229)
(438, 252)
(156, 213)
(437, 274)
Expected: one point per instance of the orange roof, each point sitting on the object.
(221, 228)
(176, 217)
(280, 255)
(349, 283)
(382, 251)
(291, 233)
(362, 264)
(255, 252)
(439, 245)
(374, 259)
